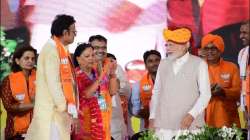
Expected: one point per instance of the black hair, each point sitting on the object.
(18, 54)
(246, 22)
(97, 37)
(61, 23)
(78, 51)
(148, 53)
(110, 55)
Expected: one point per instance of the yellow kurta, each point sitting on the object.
(50, 104)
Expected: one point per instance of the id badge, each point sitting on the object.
(20, 97)
(102, 103)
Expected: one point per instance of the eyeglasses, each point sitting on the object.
(100, 47)
(213, 49)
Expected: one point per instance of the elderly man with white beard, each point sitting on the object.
(182, 90)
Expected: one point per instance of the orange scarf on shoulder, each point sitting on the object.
(67, 77)
(146, 87)
(106, 115)
(24, 94)
(246, 88)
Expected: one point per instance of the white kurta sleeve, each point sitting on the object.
(155, 93)
(52, 74)
(204, 90)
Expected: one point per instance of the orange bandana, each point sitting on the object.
(181, 35)
(215, 39)
(67, 77)
(23, 93)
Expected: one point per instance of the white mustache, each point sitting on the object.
(172, 56)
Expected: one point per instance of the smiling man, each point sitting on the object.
(243, 60)
(142, 90)
(109, 84)
(225, 84)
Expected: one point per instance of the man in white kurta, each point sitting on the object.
(243, 61)
(52, 116)
(181, 91)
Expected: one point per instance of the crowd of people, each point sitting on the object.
(88, 97)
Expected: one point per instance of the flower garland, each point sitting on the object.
(204, 133)
(210, 133)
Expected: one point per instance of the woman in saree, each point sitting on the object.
(17, 92)
(91, 103)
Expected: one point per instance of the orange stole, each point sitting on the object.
(20, 88)
(246, 87)
(146, 87)
(106, 115)
(66, 74)
(223, 110)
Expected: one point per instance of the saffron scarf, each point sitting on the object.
(23, 93)
(67, 78)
